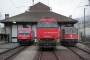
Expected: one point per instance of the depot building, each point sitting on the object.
(30, 18)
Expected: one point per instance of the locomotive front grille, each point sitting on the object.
(47, 43)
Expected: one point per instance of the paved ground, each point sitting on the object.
(1, 42)
(7, 46)
(28, 54)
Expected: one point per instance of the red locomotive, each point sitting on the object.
(47, 33)
(69, 36)
(25, 36)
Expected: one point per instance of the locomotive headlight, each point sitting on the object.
(37, 39)
(20, 37)
(56, 40)
(53, 36)
(27, 37)
(40, 36)
(66, 37)
(75, 37)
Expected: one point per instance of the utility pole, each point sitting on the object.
(84, 21)
(0, 16)
(89, 2)
(33, 2)
(48, 2)
(84, 25)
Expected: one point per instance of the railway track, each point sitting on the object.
(81, 53)
(88, 51)
(87, 44)
(47, 55)
(8, 54)
(9, 50)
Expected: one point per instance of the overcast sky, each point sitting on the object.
(63, 7)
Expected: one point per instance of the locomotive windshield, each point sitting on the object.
(74, 31)
(47, 24)
(67, 31)
(24, 32)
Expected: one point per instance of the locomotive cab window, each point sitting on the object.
(74, 31)
(67, 31)
(24, 32)
(47, 24)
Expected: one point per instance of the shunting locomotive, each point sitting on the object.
(47, 33)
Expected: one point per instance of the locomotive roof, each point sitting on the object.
(47, 19)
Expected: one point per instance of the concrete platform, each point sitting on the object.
(28, 54)
(6, 46)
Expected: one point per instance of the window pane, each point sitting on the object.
(41, 24)
(74, 31)
(67, 31)
(47, 24)
(24, 31)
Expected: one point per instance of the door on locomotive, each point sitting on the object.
(69, 36)
(47, 32)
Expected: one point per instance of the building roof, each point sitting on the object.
(39, 4)
(39, 7)
(34, 16)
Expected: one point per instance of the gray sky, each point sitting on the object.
(63, 7)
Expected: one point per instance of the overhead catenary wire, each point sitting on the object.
(33, 2)
(22, 4)
(77, 7)
(15, 6)
(70, 7)
(48, 2)
(1, 11)
(0, 14)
